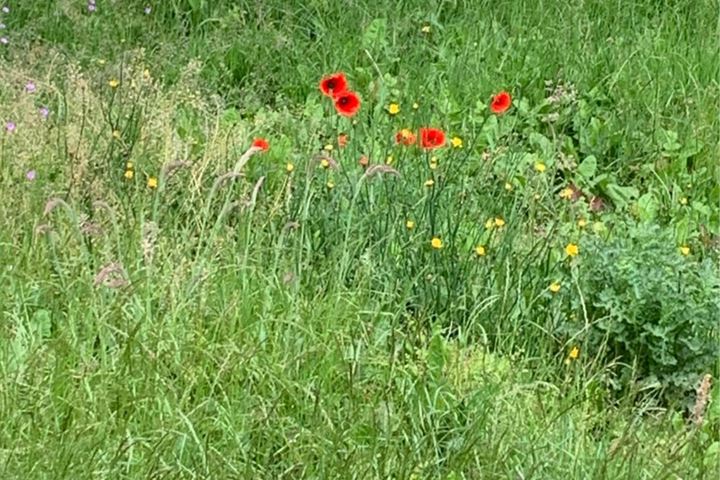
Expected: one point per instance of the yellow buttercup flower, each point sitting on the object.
(433, 163)
(114, 83)
(389, 160)
(490, 223)
(425, 29)
(325, 163)
(330, 184)
(429, 183)
(436, 243)
(499, 222)
(582, 223)
(480, 250)
(508, 186)
(116, 134)
(409, 224)
(566, 193)
(328, 147)
(572, 250)
(554, 287)
(393, 109)
(683, 201)
(415, 106)
(129, 174)
(539, 167)
(152, 182)
(572, 355)
(685, 250)
(129, 165)
(289, 167)
(456, 142)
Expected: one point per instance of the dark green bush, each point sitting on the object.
(653, 309)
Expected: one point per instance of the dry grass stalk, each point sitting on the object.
(169, 169)
(245, 158)
(43, 229)
(91, 229)
(288, 278)
(101, 204)
(52, 203)
(256, 189)
(379, 169)
(702, 399)
(331, 162)
(291, 225)
(150, 232)
(250, 202)
(226, 177)
(112, 275)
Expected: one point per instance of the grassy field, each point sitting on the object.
(536, 298)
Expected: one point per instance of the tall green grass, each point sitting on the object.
(265, 325)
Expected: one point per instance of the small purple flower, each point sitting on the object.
(10, 127)
(44, 112)
(148, 10)
(4, 40)
(30, 175)
(91, 7)
(30, 87)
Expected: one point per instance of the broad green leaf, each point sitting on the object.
(374, 34)
(542, 143)
(702, 209)
(230, 116)
(620, 196)
(436, 353)
(588, 167)
(41, 323)
(647, 207)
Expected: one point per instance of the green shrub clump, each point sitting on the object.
(653, 311)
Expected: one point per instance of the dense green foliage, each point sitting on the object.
(537, 299)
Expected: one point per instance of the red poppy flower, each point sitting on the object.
(261, 143)
(501, 102)
(333, 85)
(347, 104)
(432, 138)
(405, 137)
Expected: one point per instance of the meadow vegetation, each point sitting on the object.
(208, 272)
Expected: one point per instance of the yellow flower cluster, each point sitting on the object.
(129, 172)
